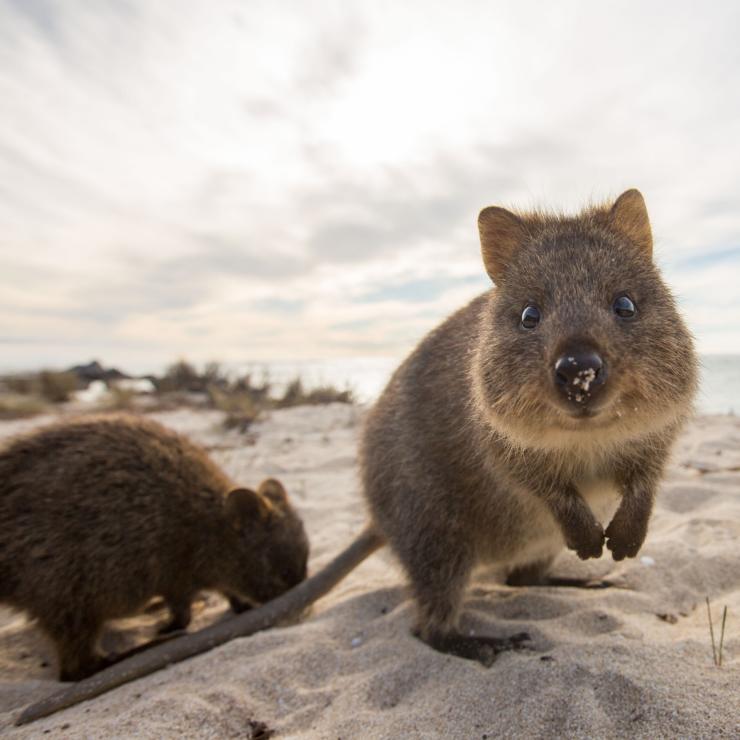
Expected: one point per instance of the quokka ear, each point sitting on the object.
(501, 234)
(243, 505)
(274, 491)
(629, 217)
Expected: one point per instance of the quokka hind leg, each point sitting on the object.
(180, 614)
(439, 573)
(75, 638)
(532, 574)
(239, 605)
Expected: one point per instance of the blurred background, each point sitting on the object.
(292, 188)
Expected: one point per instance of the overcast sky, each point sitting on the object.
(272, 180)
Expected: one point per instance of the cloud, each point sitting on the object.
(418, 291)
(279, 305)
(273, 179)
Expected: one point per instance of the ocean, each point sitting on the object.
(366, 376)
(719, 392)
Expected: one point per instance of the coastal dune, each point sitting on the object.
(631, 660)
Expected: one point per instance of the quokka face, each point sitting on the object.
(582, 335)
(267, 533)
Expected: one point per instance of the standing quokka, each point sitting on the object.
(100, 514)
(538, 412)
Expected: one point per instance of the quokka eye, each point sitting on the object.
(530, 316)
(624, 307)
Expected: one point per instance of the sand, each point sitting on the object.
(633, 660)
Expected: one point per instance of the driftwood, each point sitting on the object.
(290, 604)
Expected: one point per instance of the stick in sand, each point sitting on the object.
(722, 635)
(290, 604)
(711, 632)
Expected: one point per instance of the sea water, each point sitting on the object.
(719, 390)
(366, 376)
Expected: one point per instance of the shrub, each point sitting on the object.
(56, 387)
(240, 408)
(329, 394)
(260, 394)
(296, 395)
(22, 385)
(121, 399)
(21, 407)
(181, 376)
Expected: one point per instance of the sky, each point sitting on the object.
(254, 181)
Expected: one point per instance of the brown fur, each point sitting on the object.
(99, 515)
(470, 456)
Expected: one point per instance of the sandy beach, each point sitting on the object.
(632, 660)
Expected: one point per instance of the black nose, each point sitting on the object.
(580, 376)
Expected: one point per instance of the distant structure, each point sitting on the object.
(86, 374)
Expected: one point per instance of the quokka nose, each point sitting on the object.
(579, 376)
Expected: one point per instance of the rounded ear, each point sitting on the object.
(501, 234)
(629, 217)
(243, 505)
(274, 491)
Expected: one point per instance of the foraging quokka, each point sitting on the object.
(99, 515)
